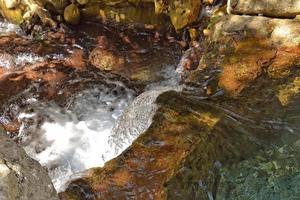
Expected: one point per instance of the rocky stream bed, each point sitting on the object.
(142, 99)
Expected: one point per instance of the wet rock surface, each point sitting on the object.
(271, 8)
(194, 144)
(204, 149)
(244, 52)
(21, 177)
(151, 12)
(143, 59)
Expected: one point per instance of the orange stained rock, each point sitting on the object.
(144, 169)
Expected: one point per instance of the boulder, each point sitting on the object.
(122, 12)
(271, 8)
(21, 177)
(177, 157)
(182, 13)
(21, 11)
(140, 58)
(72, 14)
(245, 47)
(149, 12)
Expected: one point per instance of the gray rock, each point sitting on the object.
(21, 177)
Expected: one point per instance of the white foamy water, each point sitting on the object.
(27, 58)
(9, 61)
(76, 138)
(137, 117)
(6, 28)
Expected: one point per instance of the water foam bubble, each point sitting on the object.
(75, 138)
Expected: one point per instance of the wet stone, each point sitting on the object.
(21, 177)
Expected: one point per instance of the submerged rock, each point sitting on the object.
(226, 148)
(107, 60)
(21, 177)
(276, 175)
(175, 158)
(141, 58)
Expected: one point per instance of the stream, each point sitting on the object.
(71, 117)
(72, 132)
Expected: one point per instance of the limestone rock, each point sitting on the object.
(21, 177)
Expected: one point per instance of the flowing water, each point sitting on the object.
(76, 137)
(73, 133)
(90, 117)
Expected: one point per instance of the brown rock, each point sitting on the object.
(141, 58)
(106, 60)
(245, 47)
(177, 151)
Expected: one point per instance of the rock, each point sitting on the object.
(125, 13)
(59, 5)
(82, 2)
(288, 91)
(275, 176)
(181, 149)
(133, 12)
(72, 14)
(11, 3)
(107, 60)
(245, 47)
(21, 177)
(13, 15)
(181, 13)
(22, 11)
(136, 57)
(271, 8)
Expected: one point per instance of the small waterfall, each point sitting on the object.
(75, 138)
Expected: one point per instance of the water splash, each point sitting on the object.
(26, 58)
(71, 139)
(7, 28)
